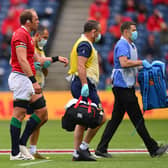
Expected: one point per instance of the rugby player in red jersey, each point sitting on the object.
(24, 86)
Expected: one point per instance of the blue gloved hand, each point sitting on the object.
(37, 65)
(146, 64)
(46, 64)
(85, 90)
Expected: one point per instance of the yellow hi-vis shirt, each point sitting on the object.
(39, 73)
(92, 66)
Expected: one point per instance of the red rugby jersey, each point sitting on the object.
(21, 37)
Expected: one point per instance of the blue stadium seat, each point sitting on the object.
(164, 10)
(5, 71)
(143, 33)
(149, 6)
(116, 9)
(141, 27)
(164, 50)
(101, 84)
(111, 21)
(5, 3)
(132, 15)
(118, 3)
(45, 18)
(39, 7)
(108, 39)
(98, 47)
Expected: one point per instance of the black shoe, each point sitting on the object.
(160, 151)
(84, 155)
(103, 154)
(76, 158)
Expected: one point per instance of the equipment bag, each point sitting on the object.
(153, 86)
(82, 113)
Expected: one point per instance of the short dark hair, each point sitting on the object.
(26, 15)
(41, 29)
(90, 25)
(126, 25)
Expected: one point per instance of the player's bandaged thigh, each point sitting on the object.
(21, 103)
(39, 103)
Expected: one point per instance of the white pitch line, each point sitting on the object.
(70, 151)
(33, 163)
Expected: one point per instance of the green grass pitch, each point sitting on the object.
(54, 137)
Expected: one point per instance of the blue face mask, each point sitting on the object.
(42, 43)
(98, 38)
(134, 35)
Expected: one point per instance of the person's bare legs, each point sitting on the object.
(36, 120)
(78, 136)
(92, 132)
(33, 144)
(83, 145)
(34, 137)
(33, 140)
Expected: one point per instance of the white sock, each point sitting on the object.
(33, 149)
(84, 145)
(75, 154)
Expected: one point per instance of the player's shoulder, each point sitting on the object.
(85, 44)
(19, 34)
(122, 43)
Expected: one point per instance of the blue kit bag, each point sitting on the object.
(153, 86)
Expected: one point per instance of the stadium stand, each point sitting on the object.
(10, 11)
(145, 13)
(73, 16)
(69, 21)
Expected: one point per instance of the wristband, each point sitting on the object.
(33, 79)
(54, 59)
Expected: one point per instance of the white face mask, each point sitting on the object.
(42, 43)
(98, 38)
